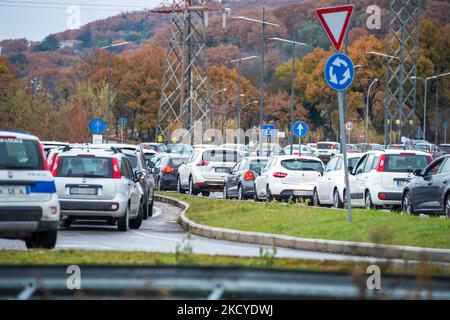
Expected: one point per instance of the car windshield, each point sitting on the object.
(352, 162)
(80, 167)
(20, 154)
(301, 165)
(221, 156)
(405, 162)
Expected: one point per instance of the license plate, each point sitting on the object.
(84, 191)
(400, 183)
(13, 190)
(223, 170)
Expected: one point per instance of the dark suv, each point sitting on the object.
(168, 166)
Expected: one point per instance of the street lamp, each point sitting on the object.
(239, 119)
(367, 109)
(294, 44)
(425, 98)
(239, 88)
(108, 103)
(263, 23)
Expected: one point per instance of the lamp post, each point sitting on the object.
(294, 44)
(239, 61)
(367, 109)
(239, 119)
(425, 98)
(108, 102)
(263, 23)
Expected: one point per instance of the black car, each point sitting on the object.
(138, 162)
(240, 183)
(429, 191)
(168, 166)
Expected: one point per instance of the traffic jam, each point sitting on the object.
(47, 186)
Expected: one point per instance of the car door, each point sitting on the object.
(325, 183)
(357, 182)
(233, 178)
(135, 194)
(261, 181)
(366, 178)
(427, 193)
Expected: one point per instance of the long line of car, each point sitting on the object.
(411, 178)
(49, 185)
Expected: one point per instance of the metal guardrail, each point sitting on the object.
(215, 283)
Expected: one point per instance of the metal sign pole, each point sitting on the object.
(344, 151)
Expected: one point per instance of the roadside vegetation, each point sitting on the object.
(112, 258)
(303, 221)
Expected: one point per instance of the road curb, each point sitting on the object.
(328, 246)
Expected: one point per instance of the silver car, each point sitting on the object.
(98, 185)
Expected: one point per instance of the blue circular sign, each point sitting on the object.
(97, 126)
(300, 129)
(339, 72)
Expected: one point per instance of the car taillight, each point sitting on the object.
(44, 159)
(168, 169)
(382, 196)
(249, 176)
(55, 166)
(381, 163)
(202, 163)
(280, 175)
(116, 169)
(51, 161)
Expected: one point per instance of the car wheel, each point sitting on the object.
(368, 204)
(192, 190)
(42, 240)
(225, 193)
(337, 202)
(241, 195)
(122, 222)
(316, 201)
(145, 210)
(179, 188)
(150, 208)
(345, 202)
(269, 196)
(65, 223)
(137, 222)
(206, 193)
(406, 203)
(158, 184)
(447, 207)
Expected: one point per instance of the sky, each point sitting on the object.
(35, 19)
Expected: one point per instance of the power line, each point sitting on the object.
(62, 8)
(71, 3)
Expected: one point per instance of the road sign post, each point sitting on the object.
(299, 129)
(339, 73)
(268, 131)
(97, 127)
(122, 122)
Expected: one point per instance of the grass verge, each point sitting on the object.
(321, 223)
(111, 258)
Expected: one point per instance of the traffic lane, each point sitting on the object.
(162, 233)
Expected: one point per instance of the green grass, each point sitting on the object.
(308, 222)
(111, 258)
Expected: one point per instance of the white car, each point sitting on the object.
(288, 176)
(205, 170)
(330, 189)
(29, 206)
(328, 150)
(379, 176)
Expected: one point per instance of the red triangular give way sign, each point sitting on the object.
(335, 22)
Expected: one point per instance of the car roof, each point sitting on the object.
(396, 151)
(18, 135)
(95, 152)
(352, 155)
(297, 157)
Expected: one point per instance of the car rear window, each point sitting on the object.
(325, 146)
(256, 165)
(221, 156)
(405, 162)
(176, 162)
(301, 165)
(20, 154)
(89, 167)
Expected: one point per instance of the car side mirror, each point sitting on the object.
(150, 164)
(418, 173)
(155, 170)
(138, 175)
